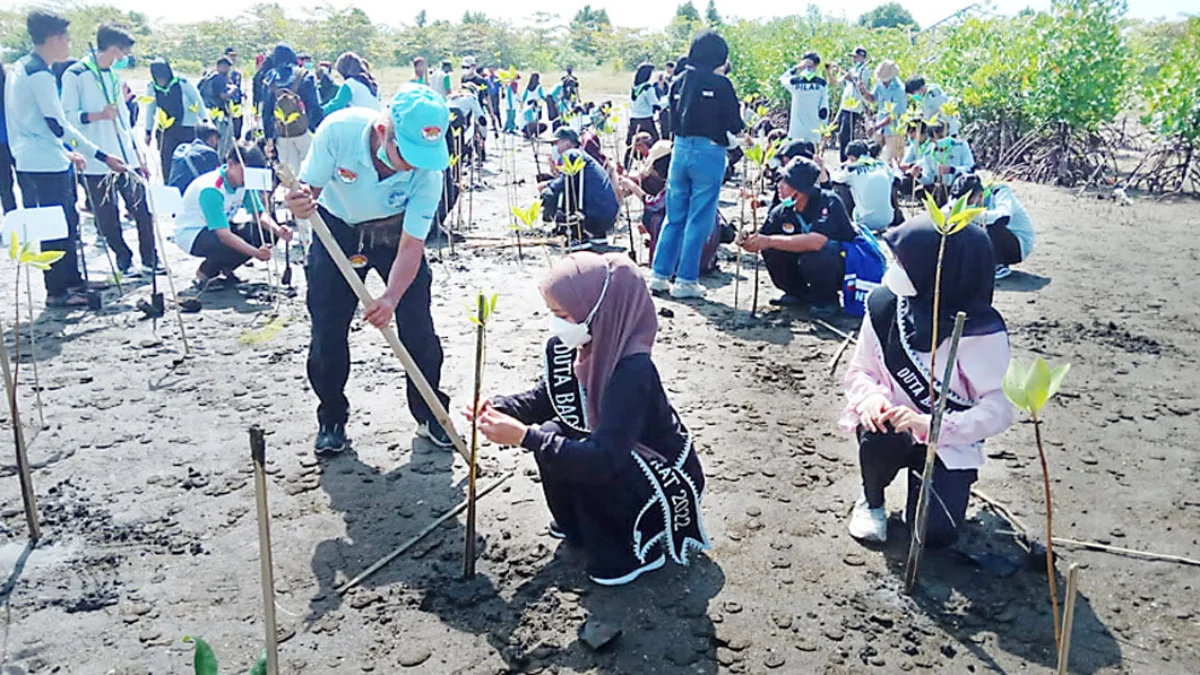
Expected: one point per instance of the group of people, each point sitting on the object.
(621, 474)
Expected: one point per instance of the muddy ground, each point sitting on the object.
(143, 476)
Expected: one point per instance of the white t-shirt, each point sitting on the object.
(870, 182)
(850, 89)
(191, 221)
(810, 104)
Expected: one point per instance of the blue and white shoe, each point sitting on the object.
(631, 576)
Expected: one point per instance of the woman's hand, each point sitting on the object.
(871, 413)
(501, 429)
(904, 419)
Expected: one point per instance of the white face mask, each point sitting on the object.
(575, 335)
(897, 281)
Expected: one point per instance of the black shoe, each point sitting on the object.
(787, 300)
(434, 433)
(824, 311)
(331, 439)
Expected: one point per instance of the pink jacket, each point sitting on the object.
(982, 362)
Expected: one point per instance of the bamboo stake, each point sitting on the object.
(1050, 576)
(37, 382)
(364, 296)
(418, 537)
(1158, 557)
(837, 356)
(917, 542)
(1064, 650)
(258, 455)
(27, 493)
(480, 341)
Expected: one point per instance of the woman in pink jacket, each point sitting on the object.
(888, 384)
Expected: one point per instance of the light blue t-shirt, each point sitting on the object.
(339, 162)
(892, 96)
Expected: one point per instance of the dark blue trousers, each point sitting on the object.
(56, 189)
(331, 305)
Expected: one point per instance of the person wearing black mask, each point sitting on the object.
(704, 111)
(801, 241)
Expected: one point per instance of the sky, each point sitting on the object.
(631, 13)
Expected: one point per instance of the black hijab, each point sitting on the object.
(968, 280)
(641, 80)
(709, 51)
(535, 80)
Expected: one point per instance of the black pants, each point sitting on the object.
(1005, 245)
(172, 138)
(56, 189)
(237, 128)
(220, 258)
(847, 127)
(103, 192)
(882, 456)
(555, 210)
(8, 198)
(331, 305)
(636, 126)
(815, 275)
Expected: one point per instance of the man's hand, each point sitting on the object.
(115, 164)
(753, 243)
(501, 429)
(300, 201)
(143, 171)
(78, 160)
(263, 252)
(945, 169)
(109, 113)
(381, 311)
(284, 233)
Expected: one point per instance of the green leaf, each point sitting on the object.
(260, 666)
(1014, 385)
(203, 659)
(755, 154)
(963, 218)
(48, 257)
(14, 247)
(1056, 378)
(935, 213)
(1037, 385)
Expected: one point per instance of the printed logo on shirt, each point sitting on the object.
(707, 93)
(397, 199)
(789, 228)
(346, 175)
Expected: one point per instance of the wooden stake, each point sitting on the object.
(480, 339)
(916, 544)
(1064, 650)
(364, 296)
(418, 537)
(162, 257)
(837, 356)
(258, 455)
(27, 494)
(1159, 557)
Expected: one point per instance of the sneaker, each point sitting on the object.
(576, 245)
(629, 578)
(555, 531)
(788, 300)
(130, 271)
(434, 433)
(1002, 271)
(868, 524)
(687, 289)
(824, 311)
(331, 439)
(659, 284)
(598, 241)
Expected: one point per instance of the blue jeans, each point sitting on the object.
(693, 185)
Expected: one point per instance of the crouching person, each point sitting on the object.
(1007, 222)
(888, 381)
(619, 470)
(204, 225)
(588, 196)
(801, 242)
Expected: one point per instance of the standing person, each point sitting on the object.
(493, 100)
(327, 89)
(92, 95)
(376, 179)
(358, 86)
(420, 71)
(511, 96)
(1008, 224)
(872, 186)
(852, 106)
(37, 131)
(932, 99)
(8, 198)
(888, 383)
(641, 112)
(182, 109)
(891, 103)
(801, 242)
(531, 102)
(619, 469)
(704, 107)
(441, 80)
(291, 111)
(236, 94)
(217, 92)
(266, 64)
(810, 99)
(570, 89)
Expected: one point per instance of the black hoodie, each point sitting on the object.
(702, 102)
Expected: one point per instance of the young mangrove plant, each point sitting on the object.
(484, 308)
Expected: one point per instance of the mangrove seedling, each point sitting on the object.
(759, 157)
(204, 659)
(572, 167)
(826, 132)
(1030, 389)
(28, 258)
(526, 221)
(484, 307)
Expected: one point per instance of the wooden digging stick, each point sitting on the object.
(258, 455)
(1064, 650)
(418, 537)
(916, 544)
(364, 296)
(480, 342)
(27, 494)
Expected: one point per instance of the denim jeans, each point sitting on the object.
(56, 189)
(331, 305)
(693, 185)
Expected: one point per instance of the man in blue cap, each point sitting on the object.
(376, 179)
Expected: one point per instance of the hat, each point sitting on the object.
(966, 184)
(658, 151)
(796, 148)
(860, 51)
(421, 118)
(567, 134)
(887, 70)
(802, 174)
(230, 50)
(468, 62)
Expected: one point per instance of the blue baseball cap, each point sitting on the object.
(421, 118)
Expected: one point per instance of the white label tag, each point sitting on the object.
(258, 179)
(35, 224)
(165, 200)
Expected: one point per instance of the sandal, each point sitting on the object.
(90, 286)
(69, 299)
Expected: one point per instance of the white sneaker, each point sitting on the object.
(1002, 271)
(659, 284)
(632, 576)
(868, 524)
(683, 289)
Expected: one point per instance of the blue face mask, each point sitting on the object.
(787, 202)
(382, 155)
(123, 62)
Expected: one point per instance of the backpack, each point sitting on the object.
(189, 161)
(291, 119)
(864, 270)
(211, 98)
